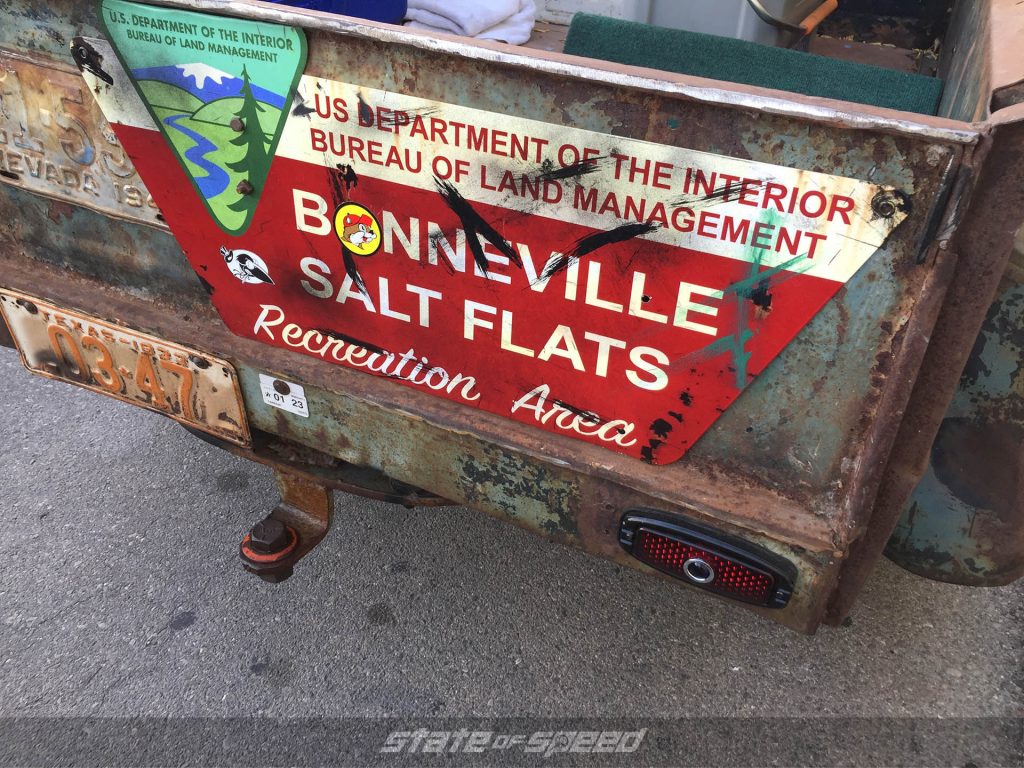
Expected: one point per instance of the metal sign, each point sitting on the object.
(217, 90)
(54, 142)
(183, 383)
(609, 289)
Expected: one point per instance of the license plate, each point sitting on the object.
(188, 385)
(55, 142)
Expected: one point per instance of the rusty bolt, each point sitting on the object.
(245, 187)
(884, 207)
(887, 204)
(269, 536)
(237, 124)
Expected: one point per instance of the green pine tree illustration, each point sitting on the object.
(255, 162)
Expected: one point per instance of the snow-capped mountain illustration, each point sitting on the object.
(206, 83)
(203, 72)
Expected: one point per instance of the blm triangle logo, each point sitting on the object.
(218, 89)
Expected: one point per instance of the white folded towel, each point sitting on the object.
(508, 20)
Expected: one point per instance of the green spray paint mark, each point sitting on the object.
(753, 290)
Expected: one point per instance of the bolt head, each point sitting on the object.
(269, 536)
(245, 187)
(237, 124)
(886, 204)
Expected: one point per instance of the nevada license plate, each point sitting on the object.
(190, 386)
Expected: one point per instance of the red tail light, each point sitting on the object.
(726, 567)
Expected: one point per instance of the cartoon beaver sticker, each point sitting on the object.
(357, 229)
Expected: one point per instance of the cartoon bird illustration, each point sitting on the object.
(246, 266)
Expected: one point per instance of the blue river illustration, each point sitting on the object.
(216, 179)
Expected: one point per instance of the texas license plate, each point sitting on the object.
(188, 385)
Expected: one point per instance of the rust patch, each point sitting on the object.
(56, 210)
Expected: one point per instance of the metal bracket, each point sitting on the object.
(291, 531)
(283, 456)
(305, 479)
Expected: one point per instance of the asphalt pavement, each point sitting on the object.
(121, 596)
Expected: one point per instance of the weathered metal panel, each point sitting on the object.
(45, 29)
(631, 314)
(965, 521)
(792, 466)
(763, 138)
(985, 224)
(535, 489)
(550, 486)
(139, 260)
(856, 333)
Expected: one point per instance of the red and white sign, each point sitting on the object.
(612, 290)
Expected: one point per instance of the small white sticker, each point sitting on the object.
(284, 395)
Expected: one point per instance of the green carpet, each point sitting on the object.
(740, 61)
